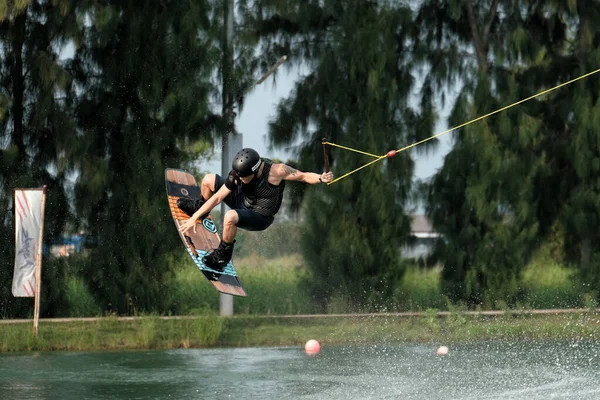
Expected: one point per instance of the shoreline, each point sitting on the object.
(169, 332)
(440, 314)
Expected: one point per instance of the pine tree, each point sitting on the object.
(355, 94)
(37, 132)
(580, 139)
(144, 69)
(485, 200)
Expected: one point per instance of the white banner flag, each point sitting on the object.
(28, 220)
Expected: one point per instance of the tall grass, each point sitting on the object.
(79, 299)
(277, 286)
(192, 293)
(146, 332)
(544, 284)
(547, 284)
(158, 333)
(273, 287)
(419, 290)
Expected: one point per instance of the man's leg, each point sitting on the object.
(207, 189)
(234, 219)
(219, 258)
(230, 226)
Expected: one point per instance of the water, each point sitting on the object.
(490, 370)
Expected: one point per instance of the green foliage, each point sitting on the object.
(148, 102)
(13, 8)
(550, 285)
(493, 225)
(281, 287)
(192, 293)
(110, 333)
(355, 94)
(582, 210)
(545, 284)
(155, 332)
(419, 290)
(511, 180)
(53, 301)
(36, 129)
(283, 238)
(80, 301)
(138, 95)
(274, 287)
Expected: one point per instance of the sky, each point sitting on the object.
(261, 104)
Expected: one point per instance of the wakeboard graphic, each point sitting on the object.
(182, 184)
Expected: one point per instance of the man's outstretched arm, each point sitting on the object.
(287, 173)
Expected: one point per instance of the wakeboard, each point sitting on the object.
(182, 184)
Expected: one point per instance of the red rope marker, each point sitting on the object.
(391, 153)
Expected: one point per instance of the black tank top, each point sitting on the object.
(261, 196)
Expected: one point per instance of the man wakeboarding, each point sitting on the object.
(253, 190)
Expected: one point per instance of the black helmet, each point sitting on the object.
(246, 162)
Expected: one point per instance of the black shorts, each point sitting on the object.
(247, 219)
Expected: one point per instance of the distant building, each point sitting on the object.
(69, 245)
(424, 238)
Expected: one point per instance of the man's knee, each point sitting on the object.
(231, 217)
(209, 182)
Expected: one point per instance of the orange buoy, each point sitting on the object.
(312, 347)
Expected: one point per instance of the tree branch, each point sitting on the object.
(476, 38)
(488, 25)
(481, 43)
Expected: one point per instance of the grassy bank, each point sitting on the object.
(281, 286)
(113, 333)
(159, 333)
(276, 286)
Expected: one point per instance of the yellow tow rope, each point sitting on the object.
(392, 153)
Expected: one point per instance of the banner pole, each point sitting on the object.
(38, 268)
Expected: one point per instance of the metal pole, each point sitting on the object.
(226, 301)
(38, 269)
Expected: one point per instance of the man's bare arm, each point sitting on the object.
(287, 173)
(206, 208)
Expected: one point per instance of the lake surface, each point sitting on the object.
(484, 370)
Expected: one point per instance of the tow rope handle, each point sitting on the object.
(325, 156)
